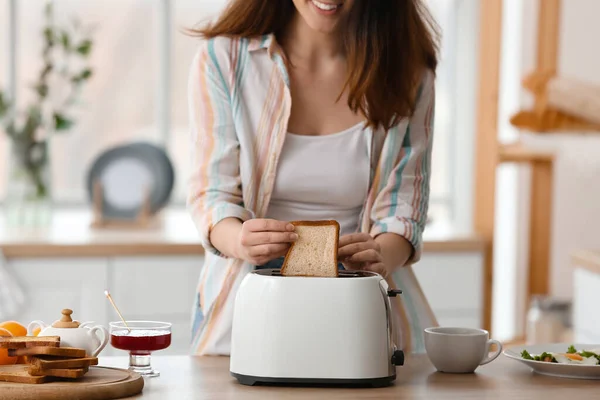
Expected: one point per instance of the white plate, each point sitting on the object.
(555, 369)
(126, 172)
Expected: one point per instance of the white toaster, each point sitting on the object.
(314, 330)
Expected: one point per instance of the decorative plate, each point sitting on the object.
(127, 173)
(565, 367)
(167, 178)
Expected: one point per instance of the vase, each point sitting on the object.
(28, 201)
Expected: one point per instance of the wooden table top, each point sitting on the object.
(208, 378)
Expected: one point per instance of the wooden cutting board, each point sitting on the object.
(100, 383)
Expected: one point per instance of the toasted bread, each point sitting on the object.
(71, 373)
(68, 352)
(15, 374)
(315, 251)
(21, 342)
(41, 363)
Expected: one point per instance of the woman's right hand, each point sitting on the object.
(263, 240)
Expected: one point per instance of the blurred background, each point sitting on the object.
(141, 60)
(514, 205)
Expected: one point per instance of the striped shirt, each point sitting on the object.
(239, 105)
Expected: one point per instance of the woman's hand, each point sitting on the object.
(262, 240)
(361, 251)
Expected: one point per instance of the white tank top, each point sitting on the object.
(322, 177)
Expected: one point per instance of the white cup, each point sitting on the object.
(459, 350)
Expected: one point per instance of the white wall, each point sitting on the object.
(576, 212)
(511, 229)
(580, 32)
(466, 75)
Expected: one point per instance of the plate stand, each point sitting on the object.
(143, 220)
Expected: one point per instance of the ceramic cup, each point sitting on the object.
(459, 350)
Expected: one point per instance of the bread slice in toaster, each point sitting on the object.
(315, 251)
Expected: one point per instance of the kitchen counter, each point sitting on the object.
(588, 259)
(70, 235)
(208, 378)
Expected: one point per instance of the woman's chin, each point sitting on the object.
(324, 29)
(322, 25)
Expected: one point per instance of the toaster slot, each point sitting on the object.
(341, 274)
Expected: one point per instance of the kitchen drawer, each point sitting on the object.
(180, 339)
(51, 285)
(151, 286)
(451, 281)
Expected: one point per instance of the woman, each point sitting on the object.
(305, 110)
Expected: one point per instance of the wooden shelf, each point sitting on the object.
(521, 154)
(588, 259)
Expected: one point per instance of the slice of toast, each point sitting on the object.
(315, 251)
(21, 342)
(68, 352)
(71, 373)
(41, 363)
(20, 375)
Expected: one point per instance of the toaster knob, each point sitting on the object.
(398, 357)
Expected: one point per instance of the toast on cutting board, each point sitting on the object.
(315, 252)
(22, 342)
(43, 363)
(67, 352)
(19, 374)
(70, 373)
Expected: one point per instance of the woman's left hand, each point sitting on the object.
(361, 251)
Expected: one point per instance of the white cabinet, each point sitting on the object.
(586, 319)
(453, 285)
(51, 285)
(157, 288)
(145, 288)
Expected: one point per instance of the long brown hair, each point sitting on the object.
(389, 44)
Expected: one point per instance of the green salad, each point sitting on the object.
(571, 356)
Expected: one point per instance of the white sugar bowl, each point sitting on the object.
(74, 334)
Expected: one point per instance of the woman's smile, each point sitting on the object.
(326, 8)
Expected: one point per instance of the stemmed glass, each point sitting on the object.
(140, 338)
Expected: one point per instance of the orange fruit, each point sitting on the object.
(36, 331)
(15, 328)
(22, 360)
(4, 358)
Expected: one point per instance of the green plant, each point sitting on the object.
(30, 127)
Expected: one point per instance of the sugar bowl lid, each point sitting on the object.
(65, 321)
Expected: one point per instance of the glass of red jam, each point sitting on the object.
(140, 339)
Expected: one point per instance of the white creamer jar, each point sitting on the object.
(74, 334)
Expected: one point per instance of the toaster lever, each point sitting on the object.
(394, 292)
(398, 357)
